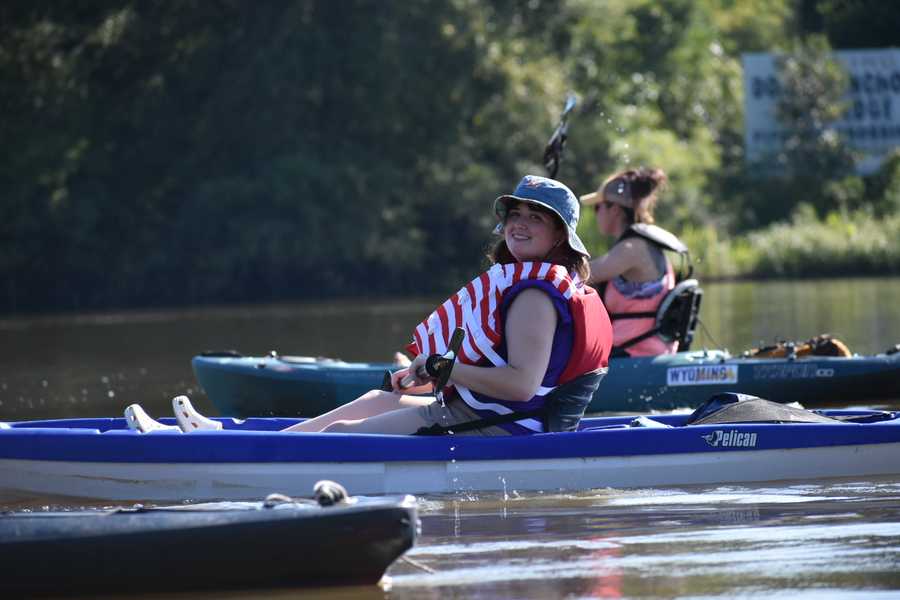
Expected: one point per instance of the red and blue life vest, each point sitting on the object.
(581, 343)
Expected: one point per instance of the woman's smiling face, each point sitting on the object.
(530, 232)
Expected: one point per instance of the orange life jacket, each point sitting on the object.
(634, 317)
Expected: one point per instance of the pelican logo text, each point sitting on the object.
(730, 439)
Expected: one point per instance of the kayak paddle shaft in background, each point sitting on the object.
(555, 145)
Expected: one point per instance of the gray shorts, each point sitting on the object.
(455, 411)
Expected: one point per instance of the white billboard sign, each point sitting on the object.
(870, 126)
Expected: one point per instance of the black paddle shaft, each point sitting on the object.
(557, 142)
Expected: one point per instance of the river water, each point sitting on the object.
(836, 538)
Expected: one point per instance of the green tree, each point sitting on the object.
(813, 165)
(167, 153)
(812, 99)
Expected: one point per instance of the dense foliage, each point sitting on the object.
(182, 152)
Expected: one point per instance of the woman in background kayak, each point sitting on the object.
(635, 275)
(532, 328)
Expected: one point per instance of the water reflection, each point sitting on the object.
(718, 541)
(864, 312)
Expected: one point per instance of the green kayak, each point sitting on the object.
(244, 386)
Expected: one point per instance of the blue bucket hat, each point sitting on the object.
(550, 194)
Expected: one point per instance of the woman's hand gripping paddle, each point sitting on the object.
(442, 364)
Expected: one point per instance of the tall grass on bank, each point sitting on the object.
(717, 257)
(839, 245)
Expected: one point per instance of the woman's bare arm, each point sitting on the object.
(530, 325)
(630, 258)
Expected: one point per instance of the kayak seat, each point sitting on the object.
(566, 404)
(676, 318)
(679, 312)
(563, 409)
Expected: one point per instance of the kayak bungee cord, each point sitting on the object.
(708, 334)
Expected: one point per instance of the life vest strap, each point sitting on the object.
(633, 315)
(657, 235)
(484, 422)
(636, 339)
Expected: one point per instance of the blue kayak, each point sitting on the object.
(246, 386)
(101, 458)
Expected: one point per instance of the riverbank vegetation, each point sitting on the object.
(161, 153)
(841, 244)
